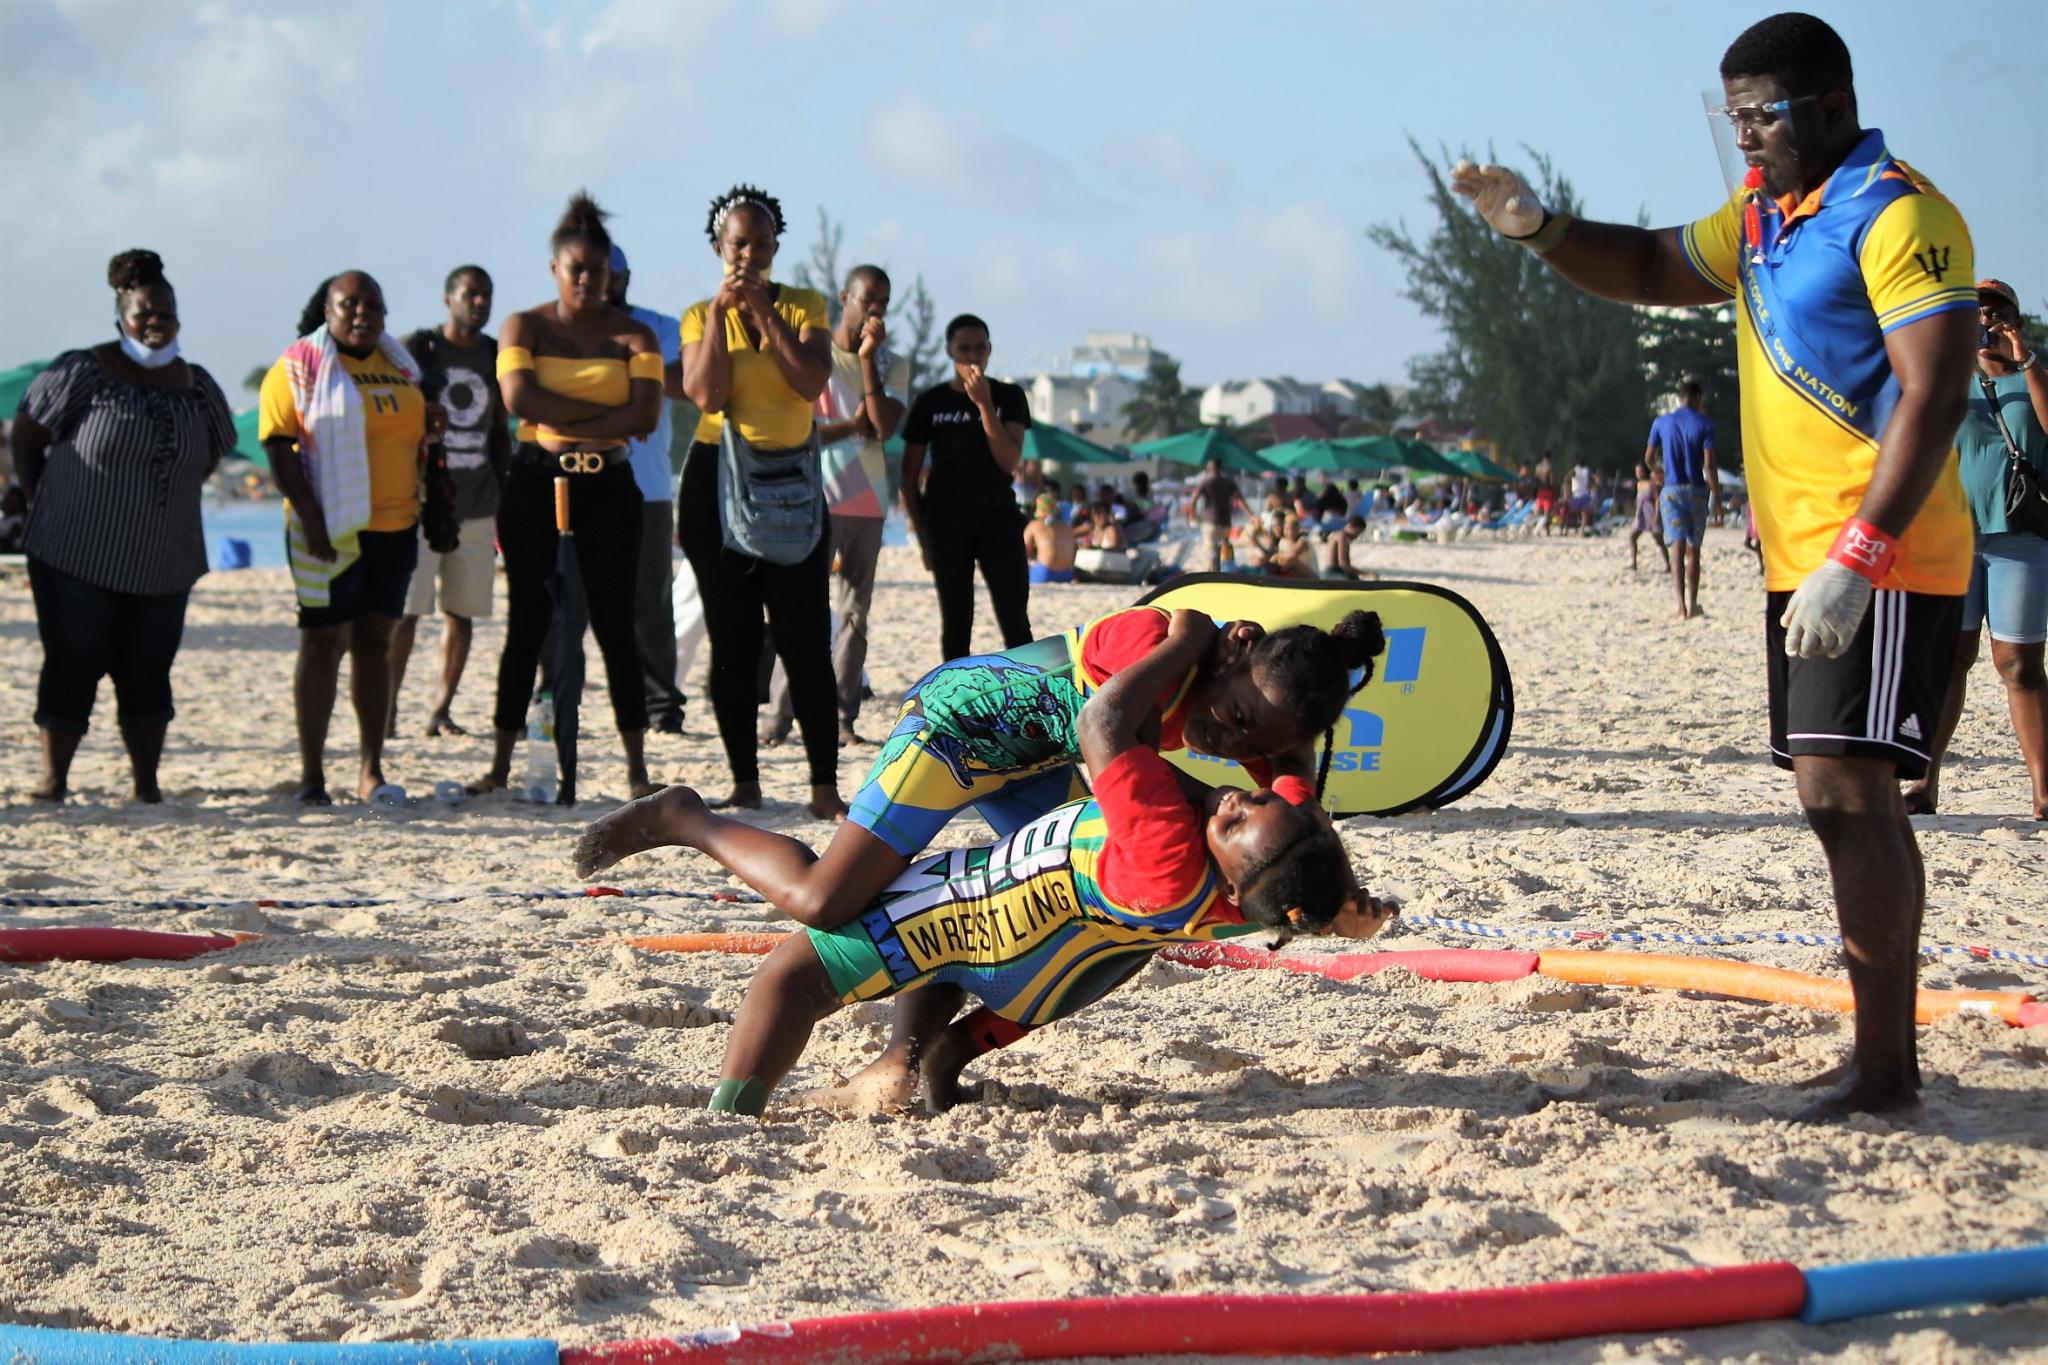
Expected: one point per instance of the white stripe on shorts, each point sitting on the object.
(1887, 665)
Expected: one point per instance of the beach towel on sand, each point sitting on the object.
(335, 453)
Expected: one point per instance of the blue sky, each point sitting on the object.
(1201, 172)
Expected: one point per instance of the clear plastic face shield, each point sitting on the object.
(1734, 166)
(1728, 121)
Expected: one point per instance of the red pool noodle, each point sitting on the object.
(1437, 964)
(1245, 1325)
(2033, 1016)
(73, 944)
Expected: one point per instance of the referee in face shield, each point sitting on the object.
(1857, 329)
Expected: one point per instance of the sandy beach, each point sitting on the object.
(483, 1116)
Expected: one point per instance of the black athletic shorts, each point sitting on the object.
(1881, 699)
(375, 584)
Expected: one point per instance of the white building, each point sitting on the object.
(1112, 353)
(1236, 402)
(1088, 406)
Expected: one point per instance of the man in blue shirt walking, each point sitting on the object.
(1682, 445)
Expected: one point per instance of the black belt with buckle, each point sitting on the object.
(589, 461)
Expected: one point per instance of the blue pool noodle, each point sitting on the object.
(1866, 1287)
(53, 1346)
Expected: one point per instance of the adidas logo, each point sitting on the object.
(1910, 727)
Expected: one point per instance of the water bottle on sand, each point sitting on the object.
(539, 785)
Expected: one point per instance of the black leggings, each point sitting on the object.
(995, 541)
(604, 512)
(736, 590)
(91, 633)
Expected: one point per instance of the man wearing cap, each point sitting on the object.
(655, 475)
(2009, 576)
(1854, 338)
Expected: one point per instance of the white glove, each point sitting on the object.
(1502, 197)
(1823, 615)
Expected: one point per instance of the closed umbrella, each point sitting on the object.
(1197, 448)
(571, 617)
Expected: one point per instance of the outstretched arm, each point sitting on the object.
(1613, 260)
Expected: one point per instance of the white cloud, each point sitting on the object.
(670, 30)
(1157, 161)
(1267, 265)
(964, 159)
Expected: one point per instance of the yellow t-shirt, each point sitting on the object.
(394, 422)
(771, 414)
(1873, 249)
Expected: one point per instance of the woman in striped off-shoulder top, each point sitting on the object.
(113, 444)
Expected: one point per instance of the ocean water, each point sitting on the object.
(260, 524)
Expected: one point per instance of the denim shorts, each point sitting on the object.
(2009, 585)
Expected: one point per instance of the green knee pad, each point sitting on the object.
(748, 1097)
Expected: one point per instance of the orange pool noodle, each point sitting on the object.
(1745, 981)
(709, 943)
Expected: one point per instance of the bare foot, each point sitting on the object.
(940, 1070)
(441, 723)
(825, 804)
(644, 787)
(313, 793)
(886, 1086)
(745, 796)
(50, 790)
(488, 783)
(367, 784)
(1851, 1090)
(1922, 796)
(663, 819)
(847, 738)
(1859, 1096)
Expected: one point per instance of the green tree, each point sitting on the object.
(1697, 344)
(1160, 404)
(1532, 361)
(820, 270)
(1377, 412)
(253, 381)
(926, 348)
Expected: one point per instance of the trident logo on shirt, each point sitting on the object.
(1934, 262)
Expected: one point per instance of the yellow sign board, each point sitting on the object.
(1433, 721)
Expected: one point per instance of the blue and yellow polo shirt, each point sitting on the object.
(1874, 248)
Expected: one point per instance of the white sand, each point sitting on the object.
(484, 1118)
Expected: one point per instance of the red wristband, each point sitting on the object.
(1864, 548)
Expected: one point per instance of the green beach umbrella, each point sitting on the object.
(1424, 459)
(247, 447)
(1371, 454)
(1198, 447)
(1053, 445)
(1476, 464)
(1304, 454)
(14, 383)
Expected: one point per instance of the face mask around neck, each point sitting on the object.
(144, 356)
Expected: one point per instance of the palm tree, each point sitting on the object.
(1160, 404)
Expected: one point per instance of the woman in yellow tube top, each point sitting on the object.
(757, 354)
(582, 377)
